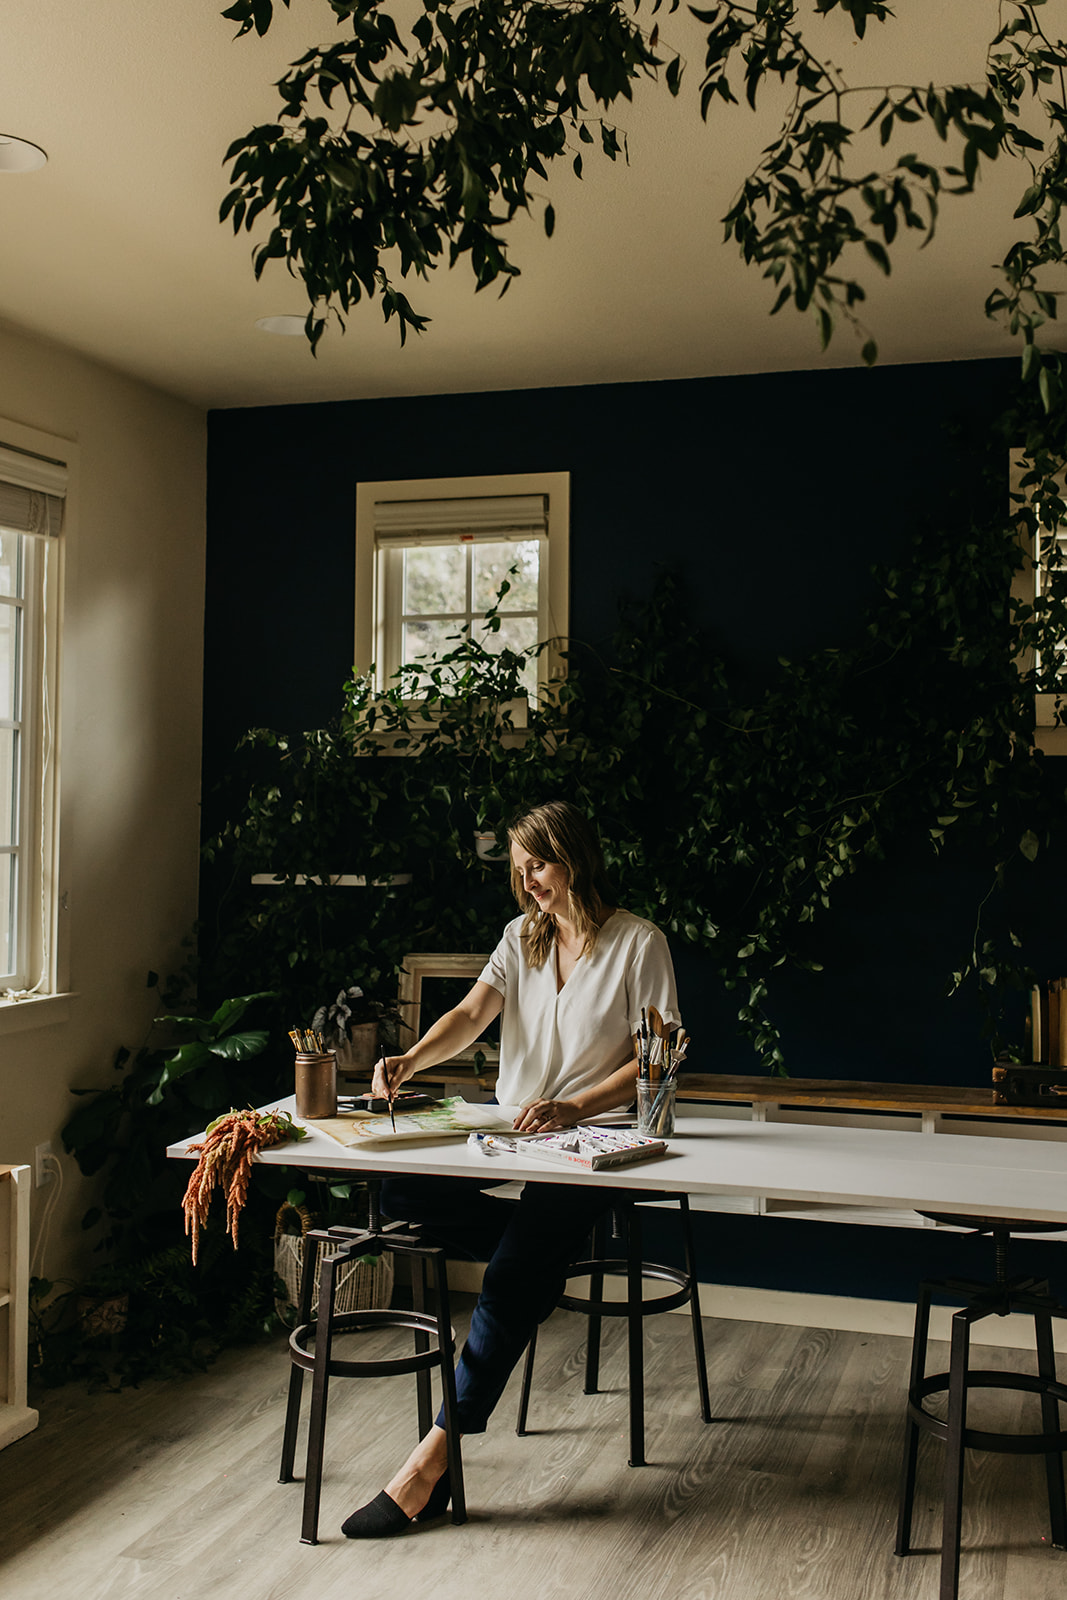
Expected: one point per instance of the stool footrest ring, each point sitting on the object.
(366, 1322)
(651, 1271)
(1014, 1444)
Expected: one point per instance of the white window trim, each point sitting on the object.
(369, 621)
(1050, 735)
(50, 1004)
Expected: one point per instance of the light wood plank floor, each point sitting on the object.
(170, 1491)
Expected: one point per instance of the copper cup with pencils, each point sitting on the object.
(316, 1076)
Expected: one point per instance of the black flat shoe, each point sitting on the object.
(437, 1504)
(379, 1519)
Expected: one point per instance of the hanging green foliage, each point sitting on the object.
(399, 147)
(392, 148)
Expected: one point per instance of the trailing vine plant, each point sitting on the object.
(442, 137)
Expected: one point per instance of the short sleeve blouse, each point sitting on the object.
(554, 1045)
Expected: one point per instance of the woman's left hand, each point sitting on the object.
(546, 1116)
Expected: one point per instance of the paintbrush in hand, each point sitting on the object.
(390, 1092)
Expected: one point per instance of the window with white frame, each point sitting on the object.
(432, 556)
(32, 491)
(1031, 580)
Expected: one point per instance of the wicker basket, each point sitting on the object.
(360, 1285)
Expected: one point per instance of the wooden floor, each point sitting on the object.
(170, 1491)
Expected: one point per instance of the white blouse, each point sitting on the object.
(554, 1045)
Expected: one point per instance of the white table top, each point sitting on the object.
(963, 1173)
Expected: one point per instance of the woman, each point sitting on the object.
(568, 980)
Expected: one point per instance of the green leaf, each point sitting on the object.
(1030, 844)
(239, 1046)
(230, 1010)
(1031, 201)
(187, 1059)
(878, 254)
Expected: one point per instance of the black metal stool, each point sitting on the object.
(634, 1308)
(1004, 1294)
(435, 1344)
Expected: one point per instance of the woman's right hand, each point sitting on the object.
(389, 1073)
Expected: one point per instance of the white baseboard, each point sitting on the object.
(15, 1423)
(820, 1311)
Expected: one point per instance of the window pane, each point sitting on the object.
(430, 638)
(8, 785)
(10, 623)
(516, 633)
(10, 550)
(435, 579)
(7, 917)
(492, 564)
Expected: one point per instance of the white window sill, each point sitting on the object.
(40, 1011)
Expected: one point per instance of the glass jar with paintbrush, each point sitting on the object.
(661, 1050)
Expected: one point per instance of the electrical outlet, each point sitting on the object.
(41, 1171)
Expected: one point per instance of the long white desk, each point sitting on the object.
(1026, 1179)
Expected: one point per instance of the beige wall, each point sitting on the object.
(130, 717)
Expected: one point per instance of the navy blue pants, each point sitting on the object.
(528, 1246)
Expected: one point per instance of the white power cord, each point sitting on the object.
(44, 1226)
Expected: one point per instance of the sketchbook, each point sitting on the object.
(452, 1118)
(585, 1146)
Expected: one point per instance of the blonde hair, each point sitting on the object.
(559, 835)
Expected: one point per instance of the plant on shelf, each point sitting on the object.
(352, 1009)
(390, 794)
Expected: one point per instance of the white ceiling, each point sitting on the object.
(114, 247)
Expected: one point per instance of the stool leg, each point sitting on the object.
(952, 1522)
(422, 1344)
(446, 1350)
(320, 1382)
(374, 1212)
(911, 1430)
(594, 1319)
(694, 1307)
(1050, 1423)
(635, 1337)
(527, 1380)
(296, 1374)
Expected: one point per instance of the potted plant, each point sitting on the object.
(352, 1025)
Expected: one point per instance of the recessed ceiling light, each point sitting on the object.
(286, 324)
(19, 155)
